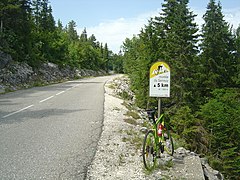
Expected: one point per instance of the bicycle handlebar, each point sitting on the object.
(151, 115)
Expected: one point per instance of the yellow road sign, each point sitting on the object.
(159, 80)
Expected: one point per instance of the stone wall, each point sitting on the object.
(16, 75)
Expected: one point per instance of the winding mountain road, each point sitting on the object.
(51, 132)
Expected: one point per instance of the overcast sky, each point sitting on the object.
(112, 21)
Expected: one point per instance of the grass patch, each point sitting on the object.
(178, 142)
(124, 139)
(130, 108)
(148, 171)
(131, 121)
(133, 137)
(125, 95)
(146, 124)
(137, 141)
(133, 114)
(169, 164)
(38, 84)
(112, 86)
(7, 90)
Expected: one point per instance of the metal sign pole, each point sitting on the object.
(159, 107)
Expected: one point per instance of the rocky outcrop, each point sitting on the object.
(16, 75)
(5, 59)
(209, 172)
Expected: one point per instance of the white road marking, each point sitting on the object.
(69, 89)
(39, 102)
(60, 93)
(18, 111)
(46, 99)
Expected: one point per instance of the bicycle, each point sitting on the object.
(156, 141)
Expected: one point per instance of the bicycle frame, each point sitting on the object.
(159, 139)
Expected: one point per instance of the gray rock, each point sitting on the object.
(17, 75)
(181, 151)
(194, 168)
(209, 172)
(5, 59)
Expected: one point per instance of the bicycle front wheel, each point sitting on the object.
(169, 148)
(149, 150)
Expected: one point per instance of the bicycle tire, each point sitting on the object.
(149, 150)
(169, 147)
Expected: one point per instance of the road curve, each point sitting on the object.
(51, 132)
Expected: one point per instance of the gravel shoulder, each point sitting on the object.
(116, 156)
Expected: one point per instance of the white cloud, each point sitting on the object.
(232, 16)
(115, 32)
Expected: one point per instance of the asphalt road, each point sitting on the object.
(51, 132)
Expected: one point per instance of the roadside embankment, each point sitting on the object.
(16, 75)
(119, 150)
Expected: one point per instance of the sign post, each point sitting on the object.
(159, 85)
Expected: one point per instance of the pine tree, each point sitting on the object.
(136, 64)
(106, 57)
(25, 30)
(47, 22)
(178, 46)
(221, 115)
(16, 41)
(72, 32)
(170, 37)
(92, 39)
(217, 49)
(83, 36)
(36, 8)
(236, 77)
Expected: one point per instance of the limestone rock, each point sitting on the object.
(5, 59)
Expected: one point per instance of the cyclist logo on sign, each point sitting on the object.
(161, 69)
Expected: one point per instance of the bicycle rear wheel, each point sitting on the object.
(149, 150)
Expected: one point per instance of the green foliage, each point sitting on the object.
(133, 114)
(236, 76)
(221, 115)
(204, 84)
(16, 41)
(204, 103)
(28, 33)
(125, 95)
(190, 129)
(218, 47)
(137, 65)
(171, 37)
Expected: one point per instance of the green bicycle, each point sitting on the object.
(156, 141)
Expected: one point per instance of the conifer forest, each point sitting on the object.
(204, 107)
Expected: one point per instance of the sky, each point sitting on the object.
(112, 21)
